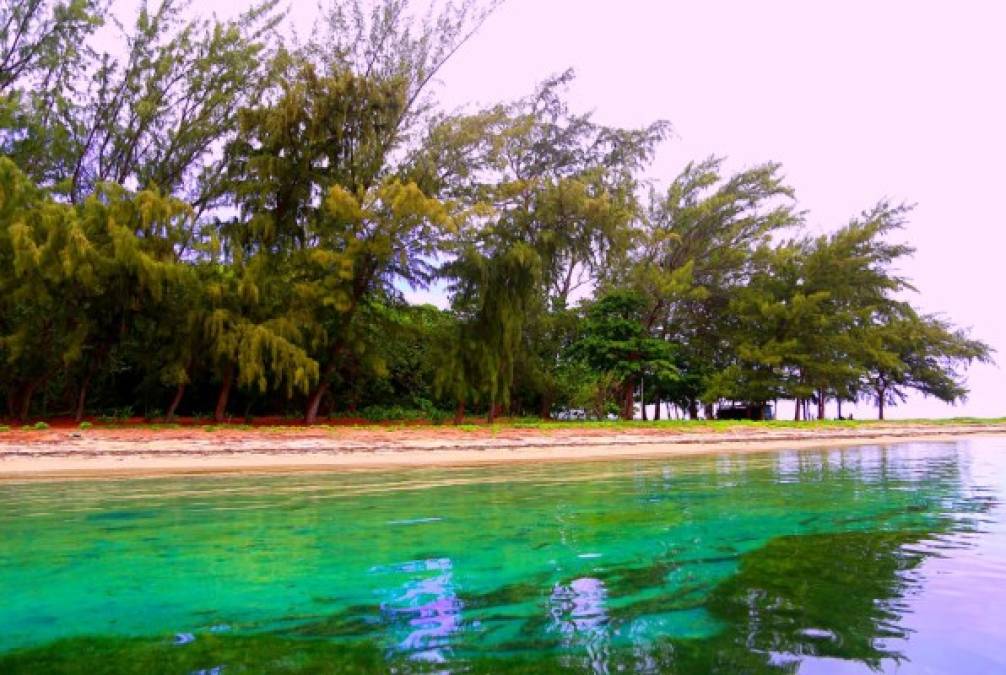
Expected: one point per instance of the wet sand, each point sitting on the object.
(97, 453)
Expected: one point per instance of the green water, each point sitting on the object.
(823, 561)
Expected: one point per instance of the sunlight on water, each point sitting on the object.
(816, 561)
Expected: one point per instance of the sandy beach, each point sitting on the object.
(92, 453)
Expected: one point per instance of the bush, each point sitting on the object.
(86, 425)
(4, 427)
(40, 426)
(393, 413)
(396, 413)
(113, 415)
(439, 417)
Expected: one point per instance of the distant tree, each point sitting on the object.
(822, 318)
(615, 341)
(906, 351)
(692, 252)
(552, 195)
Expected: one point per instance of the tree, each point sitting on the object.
(693, 252)
(823, 318)
(908, 351)
(40, 40)
(552, 195)
(43, 51)
(75, 278)
(338, 128)
(153, 118)
(253, 334)
(207, 217)
(615, 341)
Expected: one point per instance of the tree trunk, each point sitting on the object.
(820, 404)
(628, 407)
(179, 392)
(546, 407)
(314, 402)
(26, 392)
(693, 410)
(799, 404)
(315, 397)
(22, 414)
(78, 413)
(459, 412)
(224, 396)
(710, 412)
(881, 395)
(839, 401)
(23, 403)
(656, 410)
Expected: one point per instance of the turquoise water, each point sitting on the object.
(873, 558)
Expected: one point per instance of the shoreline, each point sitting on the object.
(136, 453)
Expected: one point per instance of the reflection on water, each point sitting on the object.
(579, 616)
(821, 561)
(426, 609)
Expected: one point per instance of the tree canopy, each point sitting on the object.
(212, 219)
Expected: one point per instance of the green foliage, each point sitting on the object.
(378, 413)
(40, 426)
(204, 218)
(85, 425)
(822, 318)
(615, 342)
(116, 415)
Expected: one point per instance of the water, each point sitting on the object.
(889, 559)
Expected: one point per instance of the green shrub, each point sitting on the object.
(439, 417)
(423, 411)
(117, 415)
(40, 426)
(4, 427)
(86, 425)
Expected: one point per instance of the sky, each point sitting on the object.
(859, 101)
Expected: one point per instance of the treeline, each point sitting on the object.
(210, 219)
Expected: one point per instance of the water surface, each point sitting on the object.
(889, 559)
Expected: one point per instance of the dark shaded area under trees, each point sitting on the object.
(215, 222)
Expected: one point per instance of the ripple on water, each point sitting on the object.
(750, 562)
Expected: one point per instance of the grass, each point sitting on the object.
(537, 424)
(727, 425)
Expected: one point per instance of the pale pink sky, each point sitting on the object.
(859, 100)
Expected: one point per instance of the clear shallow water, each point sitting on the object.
(890, 559)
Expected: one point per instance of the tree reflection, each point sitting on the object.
(426, 612)
(841, 596)
(580, 617)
